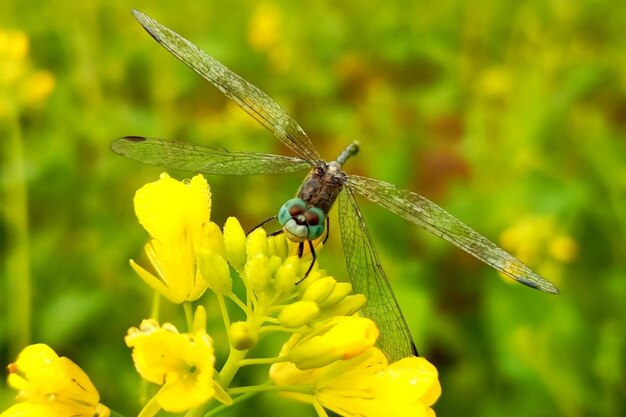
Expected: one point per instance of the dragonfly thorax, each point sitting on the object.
(300, 222)
(322, 186)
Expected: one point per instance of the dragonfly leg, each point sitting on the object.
(313, 258)
(276, 233)
(262, 224)
(327, 230)
(300, 249)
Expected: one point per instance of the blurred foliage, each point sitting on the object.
(511, 115)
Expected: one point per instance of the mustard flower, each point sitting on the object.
(366, 386)
(181, 363)
(186, 251)
(51, 386)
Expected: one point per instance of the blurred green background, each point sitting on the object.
(511, 115)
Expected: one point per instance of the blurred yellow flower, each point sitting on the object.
(540, 242)
(181, 363)
(495, 83)
(186, 248)
(51, 386)
(20, 84)
(366, 386)
(265, 26)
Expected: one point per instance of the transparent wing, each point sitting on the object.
(254, 101)
(422, 212)
(368, 278)
(207, 160)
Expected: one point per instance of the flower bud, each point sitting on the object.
(256, 243)
(243, 335)
(346, 307)
(298, 314)
(235, 242)
(257, 273)
(280, 246)
(341, 291)
(213, 240)
(215, 271)
(285, 278)
(199, 319)
(347, 338)
(319, 290)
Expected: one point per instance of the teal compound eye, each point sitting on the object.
(291, 209)
(315, 220)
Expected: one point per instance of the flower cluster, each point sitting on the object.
(330, 358)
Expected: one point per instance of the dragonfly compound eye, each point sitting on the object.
(291, 209)
(315, 219)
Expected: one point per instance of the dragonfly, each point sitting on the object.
(305, 217)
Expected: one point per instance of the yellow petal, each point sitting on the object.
(168, 208)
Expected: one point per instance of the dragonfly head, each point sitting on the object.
(300, 222)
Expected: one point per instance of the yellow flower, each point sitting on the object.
(181, 363)
(51, 386)
(339, 338)
(367, 386)
(186, 250)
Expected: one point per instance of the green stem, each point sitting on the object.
(236, 400)
(303, 389)
(115, 413)
(237, 301)
(156, 303)
(262, 361)
(271, 329)
(188, 314)
(224, 311)
(18, 291)
(231, 366)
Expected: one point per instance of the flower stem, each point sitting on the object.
(224, 311)
(262, 361)
(188, 314)
(304, 389)
(231, 366)
(236, 400)
(156, 303)
(16, 214)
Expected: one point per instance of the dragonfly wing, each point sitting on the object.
(254, 101)
(186, 156)
(423, 212)
(368, 278)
